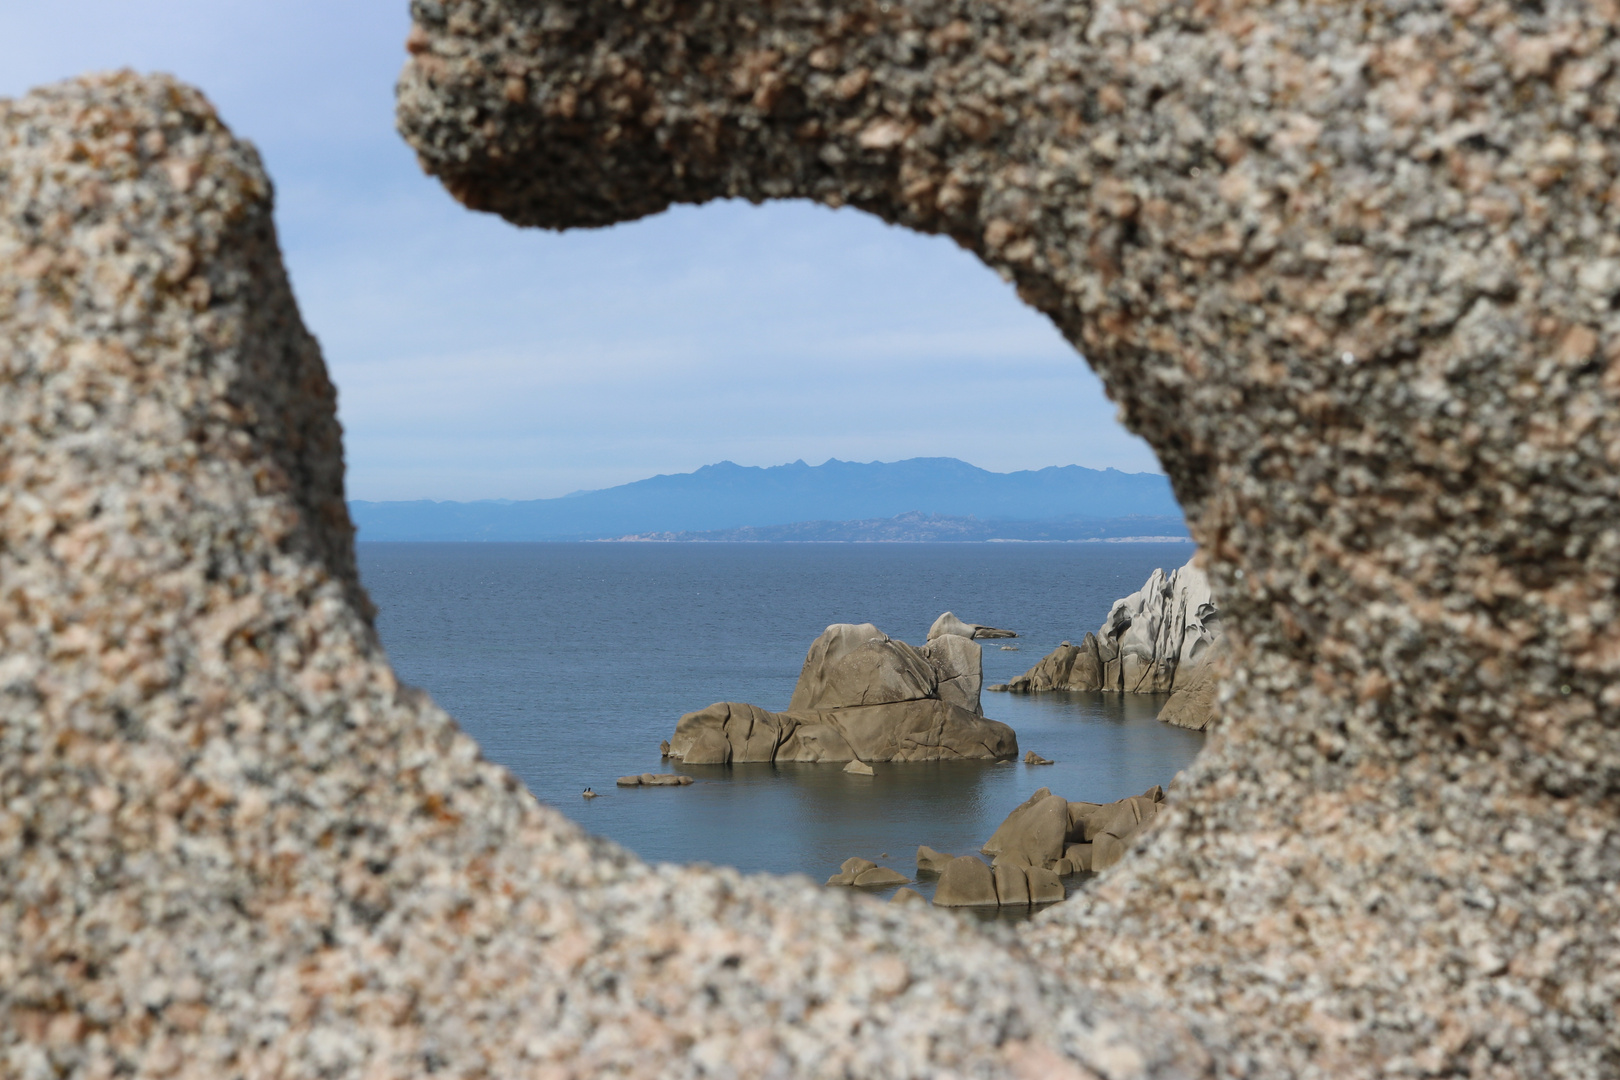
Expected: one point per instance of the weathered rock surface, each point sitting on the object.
(948, 625)
(1164, 628)
(231, 844)
(1349, 268)
(966, 882)
(1164, 638)
(861, 696)
(1196, 696)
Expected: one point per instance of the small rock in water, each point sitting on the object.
(908, 896)
(1009, 648)
(880, 875)
(930, 861)
(859, 768)
(1032, 758)
(648, 779)
(663, 748)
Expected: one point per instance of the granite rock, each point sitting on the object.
(966, 882)
(231, 843)
(1166, 637)
(861, 696)
(1350, 270)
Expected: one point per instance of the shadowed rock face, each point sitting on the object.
(1352, 270)
(1349, 268)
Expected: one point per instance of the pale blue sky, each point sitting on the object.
(475, 360)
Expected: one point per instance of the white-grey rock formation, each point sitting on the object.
(1164, 638)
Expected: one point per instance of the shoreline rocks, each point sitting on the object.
(861, 696)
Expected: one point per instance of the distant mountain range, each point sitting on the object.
(934, 528)
(735, 497)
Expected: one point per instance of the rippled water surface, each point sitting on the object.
(569, 662)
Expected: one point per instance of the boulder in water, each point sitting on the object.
(858, 767)
(880, 876)
(852, 868)
(966, 882)
(1012, 887)
(1044, 886)
(930, 861)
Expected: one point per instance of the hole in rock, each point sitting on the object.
(763, 336)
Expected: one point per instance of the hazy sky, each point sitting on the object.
(476, 360)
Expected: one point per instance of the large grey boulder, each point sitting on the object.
(853, 664)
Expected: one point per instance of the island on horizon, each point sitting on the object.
(916, 500)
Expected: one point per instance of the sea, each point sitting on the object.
(570, 662)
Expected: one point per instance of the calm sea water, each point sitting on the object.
(570, 662)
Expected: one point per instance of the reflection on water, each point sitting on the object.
(569, 662)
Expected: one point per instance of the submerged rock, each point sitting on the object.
(858, 768)
(654, 780)
(865, 873)
(863, 696)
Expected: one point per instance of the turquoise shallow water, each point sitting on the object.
(570, 662)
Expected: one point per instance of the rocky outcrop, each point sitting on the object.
(1048, 831)
(1164, 638)
(861, 696)
(648, 779)
(1043, 840)
(949, 625)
